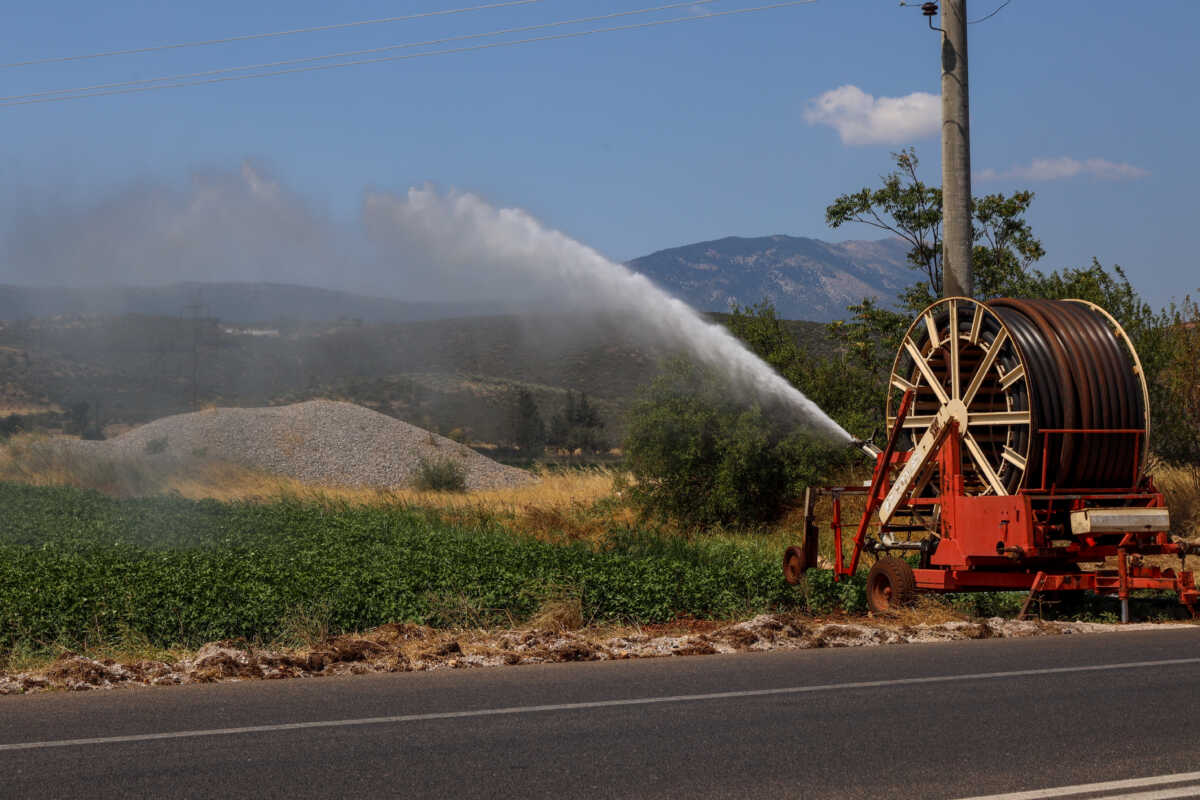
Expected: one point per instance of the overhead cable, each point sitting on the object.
(348, 53)
(271, 35)
(989, 16)
(409, 56)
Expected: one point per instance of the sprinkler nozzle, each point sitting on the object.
(867, 447)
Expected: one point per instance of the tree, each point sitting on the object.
(1176, 433)
(701, 457)
(578, 427)
(1005, 247)
(528, 430)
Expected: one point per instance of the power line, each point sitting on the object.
(450, 51)
(989, 16)
(348, 53)
(273, 34)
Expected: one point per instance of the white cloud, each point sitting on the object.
(860, 118)
(1052, 169)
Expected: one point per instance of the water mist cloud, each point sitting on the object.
(246, 226)
(220, 225)
(463, 233)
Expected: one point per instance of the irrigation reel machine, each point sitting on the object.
(1015, 460)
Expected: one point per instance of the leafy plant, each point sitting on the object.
(76, 566)
(702, 456)
(442, 474)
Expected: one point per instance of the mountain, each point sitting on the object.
(229, 302)
(804, 278)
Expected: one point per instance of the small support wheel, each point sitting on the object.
(794, 565)
(891, 584)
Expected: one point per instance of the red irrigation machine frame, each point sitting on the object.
(1023, 541)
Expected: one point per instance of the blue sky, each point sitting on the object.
(641, 140)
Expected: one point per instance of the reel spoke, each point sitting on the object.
(982, 464)
(970, 364)
(926, 372)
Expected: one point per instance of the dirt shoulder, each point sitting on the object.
(401, 647)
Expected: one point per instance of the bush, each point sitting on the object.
(11, 425)
(702, 458)
(156, 446)
(440, 475)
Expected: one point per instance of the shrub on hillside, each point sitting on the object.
(440, 475)
(703, 456)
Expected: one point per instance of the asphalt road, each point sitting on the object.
(940, 720)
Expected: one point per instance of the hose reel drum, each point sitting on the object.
(1019, 368)
(1015, 460)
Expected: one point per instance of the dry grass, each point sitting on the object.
(7, 409)
(1181, 487)
(34, 459)
(561, 609)
(560, 506)
(130, 647)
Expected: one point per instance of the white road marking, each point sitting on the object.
(1109, 786)
(636, 701)
(1161, 794)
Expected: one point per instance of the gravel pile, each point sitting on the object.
(320, 442)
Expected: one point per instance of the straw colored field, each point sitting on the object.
(577, 504)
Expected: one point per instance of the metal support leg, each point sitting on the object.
(1036, 587)
(1123, 586)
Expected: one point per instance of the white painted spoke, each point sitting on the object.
(955, 384)
(902, 384)
(1012, 376)
(999, 418)
(981, 463)
(984, 367)
(931, 326)
(1014, 458)
(976, 324)
(926, 372)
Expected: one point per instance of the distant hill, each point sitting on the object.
(229, 302)
(804, 278)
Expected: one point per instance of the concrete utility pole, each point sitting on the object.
(957, 239)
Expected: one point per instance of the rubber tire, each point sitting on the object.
(891, 584)
(794, 565)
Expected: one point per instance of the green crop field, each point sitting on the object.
(77, 568)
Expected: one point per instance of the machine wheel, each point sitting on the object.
(794, 565)
(890, 585)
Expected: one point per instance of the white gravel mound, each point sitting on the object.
(320, 442)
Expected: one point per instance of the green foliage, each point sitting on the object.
(702, 456)
(904, 206)
(11, 425)
(529, 432)
(443, 474)
(156, 446)
(823, 594)
(841, 382)
(578, 427)
(76, 566)
(1176, 429)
